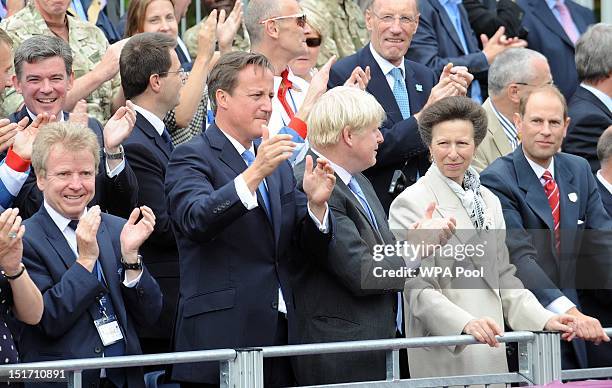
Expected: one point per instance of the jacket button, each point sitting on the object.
(227, 203)
(275, 305)
(97, 349)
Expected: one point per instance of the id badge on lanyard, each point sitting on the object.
(107, 326)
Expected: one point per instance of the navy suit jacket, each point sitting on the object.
(402, 148)
(69, 291)
(104, 23)
(149, 155)
(116, 195)
(232, 260)
(606, 197)
(548, 37)
(589, 119)
(437, 43)
(529, 222)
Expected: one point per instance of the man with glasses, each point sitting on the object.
(512, 75)
(152, 77)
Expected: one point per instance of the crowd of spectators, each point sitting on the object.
(232, 187)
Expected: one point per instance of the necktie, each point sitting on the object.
(566, 21)
(284, 86)
(249, 158)
(93, 11)
(73, 224)
(167, 139)
(400, 93)
(552, 192)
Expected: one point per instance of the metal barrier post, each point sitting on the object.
(545, 358)
(245, 371)
(393, 367)
(75, 379)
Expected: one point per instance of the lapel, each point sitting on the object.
(379, 87)
(416, 97)
(56, 238)
(590, 97)
(496, 130)
(20, 114)
(470, 38)
(527, 180)
(580, 23)
(448, 24)
(147, 128)
(569, 210)
(273, 185)
(541, 11)
(227, 152)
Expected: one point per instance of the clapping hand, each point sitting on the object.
(318, 184)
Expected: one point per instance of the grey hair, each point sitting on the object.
(513, 65)
(593, 53)
(256, 12)
(604, 145)
(40, 47)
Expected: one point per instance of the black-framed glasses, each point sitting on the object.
(313, 42)
(389, 19)
(300, 19)
(181, 73)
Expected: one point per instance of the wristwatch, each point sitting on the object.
(115, 156)
(137, 266)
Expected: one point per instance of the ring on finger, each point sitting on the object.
(12, 235)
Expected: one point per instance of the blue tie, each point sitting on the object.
(249, 158)
(356, 189)
(400, 93)
(167, 139)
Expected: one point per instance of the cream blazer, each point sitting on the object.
(434, 308)
(495, 143)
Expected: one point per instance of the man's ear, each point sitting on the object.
(70, 80)
(271, 28)
(16, 83)
(155, 82)
(347, 136)
(222, 98)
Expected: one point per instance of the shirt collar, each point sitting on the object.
(384, 64)
(604, 182)
(239, 147)
(539, 170)
(58, 219)
(601, 96)
(447, 2)
(155, 121)
(33, 115)
(344, 175)
(503, 119)
(551, 3)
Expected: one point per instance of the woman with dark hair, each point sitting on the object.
(439, 304)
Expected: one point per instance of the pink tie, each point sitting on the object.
(566, 21)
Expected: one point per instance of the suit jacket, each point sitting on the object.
(403, 148)
(530, 224)
(336, 296)
(548, 37)
(232, 260)
(69, 291)
(436, 43)
(116, 195)
(440, 305)
(148, 155)
(495, 143)
(589, 118)
(104, 23)
(606, 197)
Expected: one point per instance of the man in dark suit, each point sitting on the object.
(151, 78)
(338, 297)
(43, 75)
(604, 175)
(403, 88)
(591, 106)
(548, 35)
(238, 218)
(85, 263)
(549, 199)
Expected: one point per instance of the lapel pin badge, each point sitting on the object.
(418, 87)
(573, 197)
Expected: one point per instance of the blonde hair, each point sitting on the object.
(342, 107)
(74, 137)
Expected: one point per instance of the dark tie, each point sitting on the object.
(552, 192)
(73, 224)
(167, 139)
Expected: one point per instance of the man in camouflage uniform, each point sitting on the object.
(88, 45)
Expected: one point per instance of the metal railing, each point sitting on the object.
(539, 362)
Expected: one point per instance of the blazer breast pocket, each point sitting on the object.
(208, 302)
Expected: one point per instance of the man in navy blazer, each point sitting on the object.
(402, 149)
(547, 36)
(239, 219)
(150, 77)
(604, 174)
(43, 75)
(591, 106)
(545, 234)
(85, 263)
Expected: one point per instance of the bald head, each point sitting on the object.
(257, 11)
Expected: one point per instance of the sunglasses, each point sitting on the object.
(313, 42)
(300, 19)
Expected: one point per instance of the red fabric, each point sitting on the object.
(284, 86)
(552, 192)
(15, 162)
(299, 126)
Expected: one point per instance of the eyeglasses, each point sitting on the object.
(389, 19)
(535, 86)
(181, 73)
(313, 42)
(300, 19)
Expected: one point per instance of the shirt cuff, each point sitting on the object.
(117, 170)
(560, 305)
(323, 227)
(248, 199)
(132, 283)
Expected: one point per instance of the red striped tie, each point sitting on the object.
(552, 192)
(284, 86)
